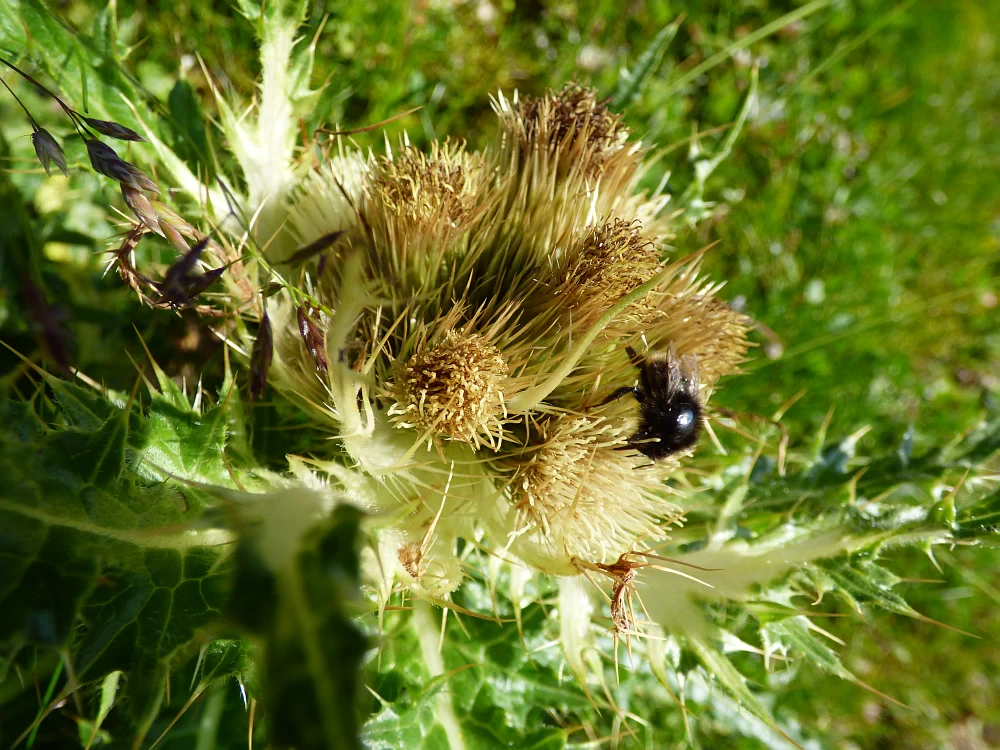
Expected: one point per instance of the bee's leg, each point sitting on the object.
(623, 391)
(637, 359)
(351, 353)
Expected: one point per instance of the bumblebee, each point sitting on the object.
(670, 412)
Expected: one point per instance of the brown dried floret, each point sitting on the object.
(312, 338)
(452, 388)
(574, 120)
(608, 263)
(410, 557)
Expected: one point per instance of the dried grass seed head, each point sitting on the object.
(48, 151)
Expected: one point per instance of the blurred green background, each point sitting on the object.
(858, 217)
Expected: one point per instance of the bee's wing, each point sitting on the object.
(684, 376)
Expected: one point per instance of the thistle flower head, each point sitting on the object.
(600, 268)
(572, 123)
(574, 493)
(481, 304)
(453, 388)
(432, 189)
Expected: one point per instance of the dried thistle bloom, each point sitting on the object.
(414, 212)
(566, 165)
(453, 388)
(48, 151)
(574, 493)
(607, 263)
(687, 314)
(428, 191)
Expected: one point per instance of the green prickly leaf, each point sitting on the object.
(81, 406)
(96, 559)
(721, 668)
(979, 520)
(486, 687)
(795, 635)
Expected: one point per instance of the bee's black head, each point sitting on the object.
(668, 426)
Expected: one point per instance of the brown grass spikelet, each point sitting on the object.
(453, 388)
